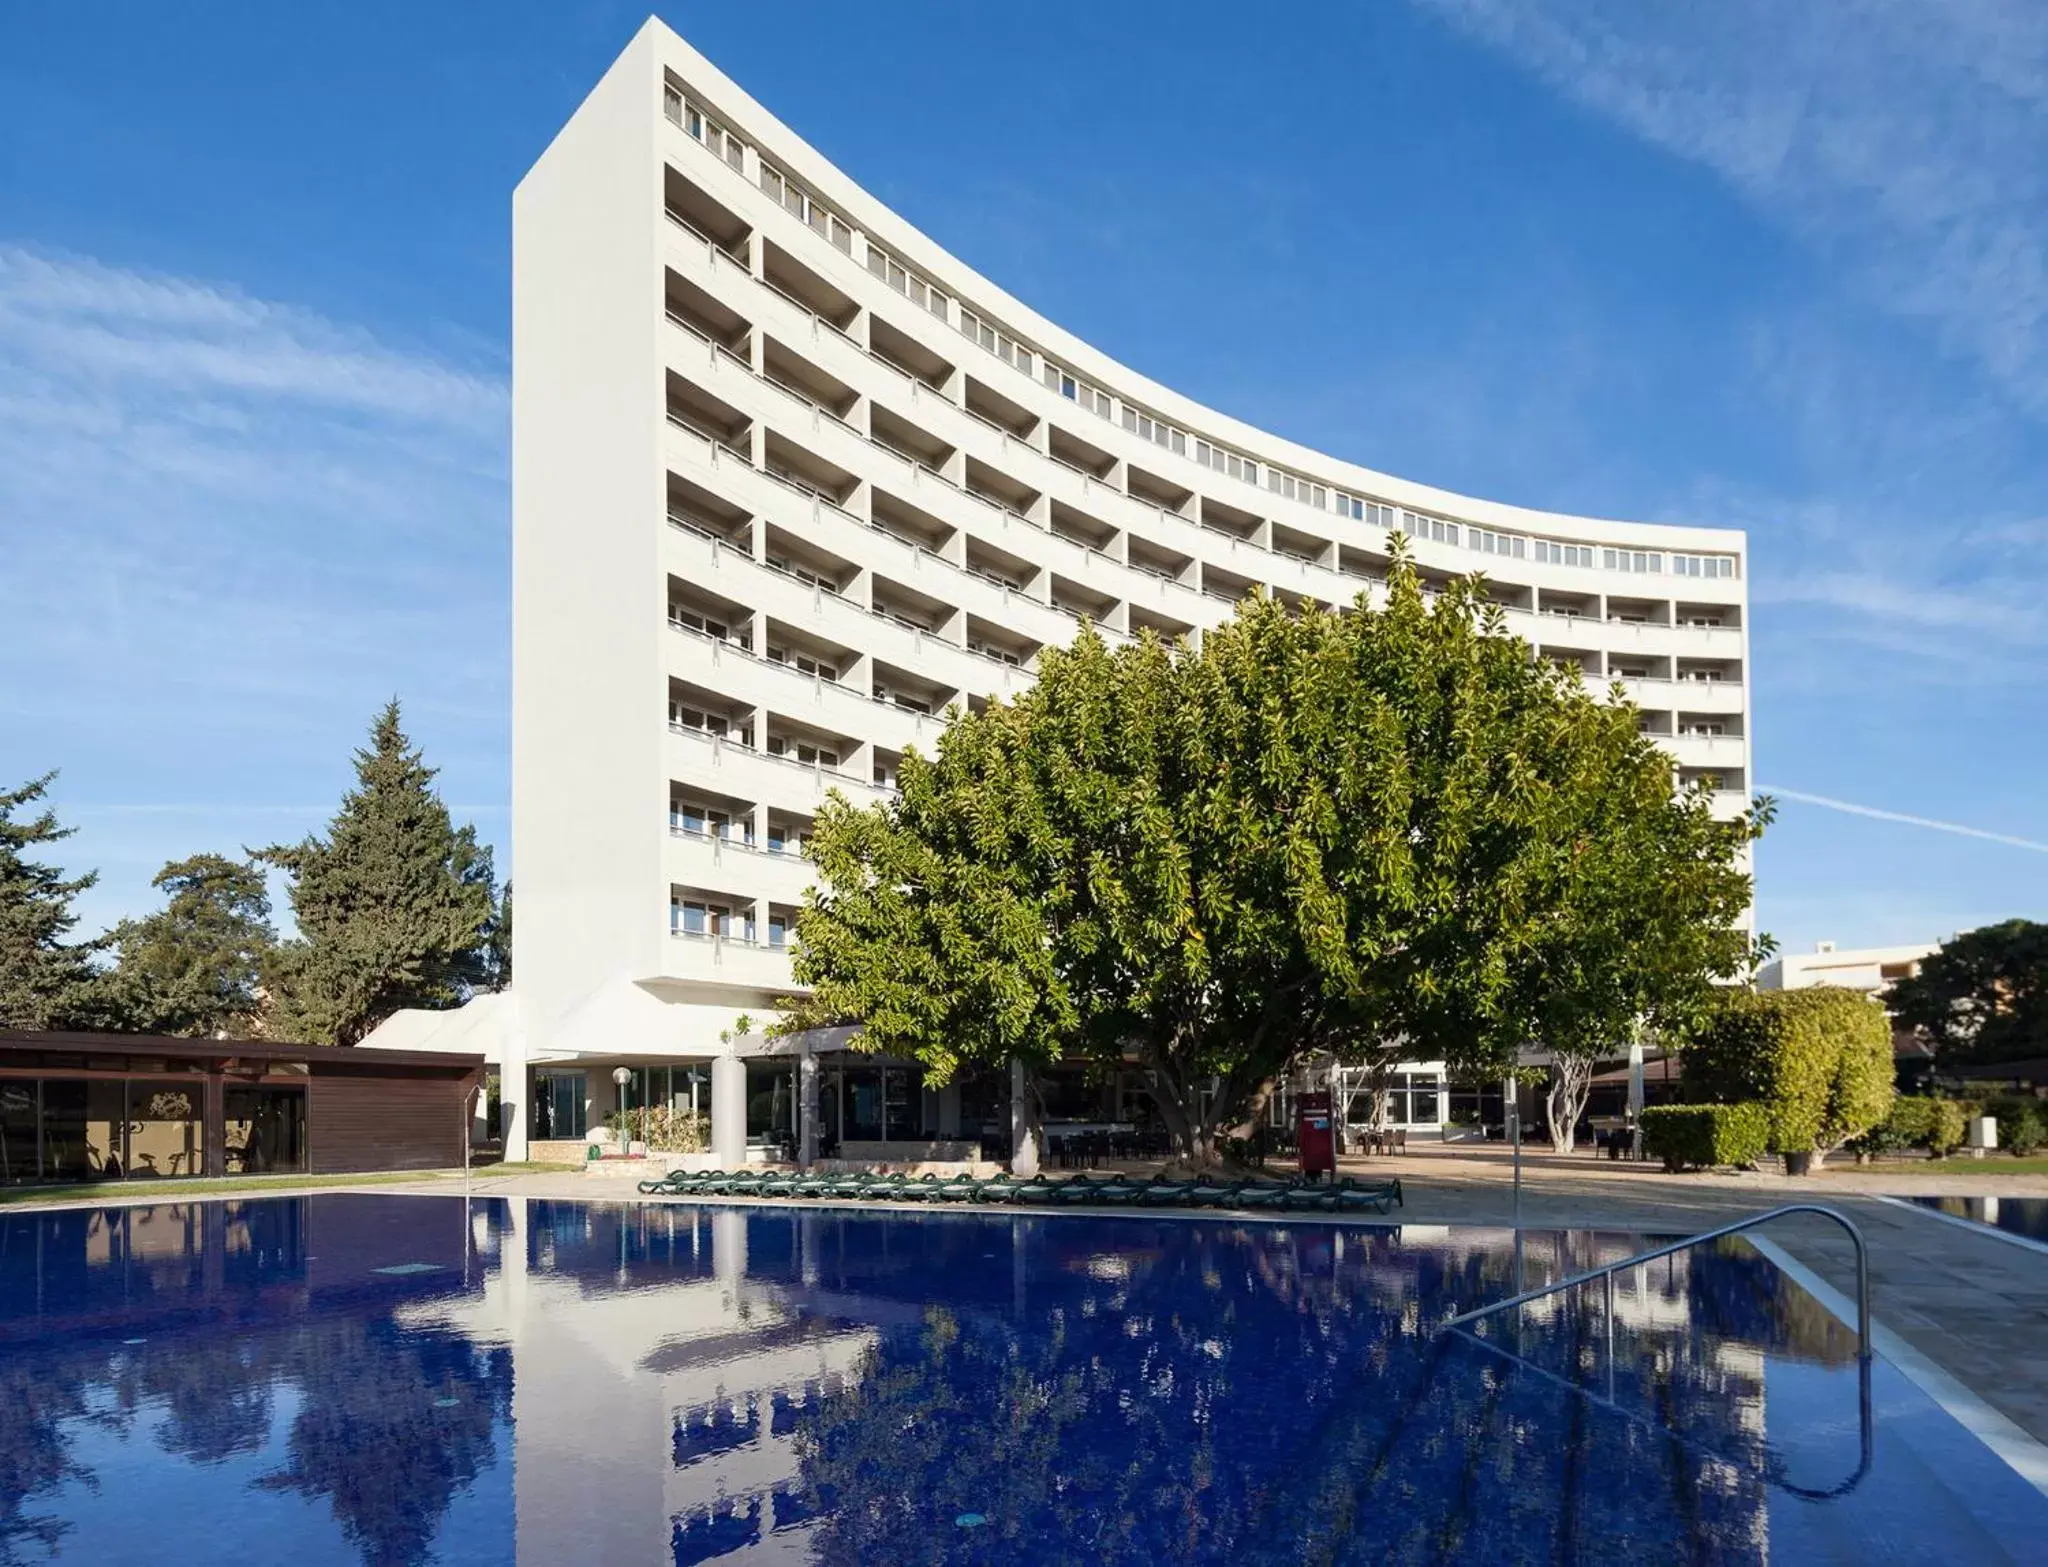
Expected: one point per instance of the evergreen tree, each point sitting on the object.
(393, 906)
(45, 981)
(498, 945)
(195, 966)
(1983, 998)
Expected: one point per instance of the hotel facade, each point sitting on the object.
(789, 482)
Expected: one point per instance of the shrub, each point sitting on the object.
(1819, 1060)
(1937, 1125)
(2024, 1132)
(664, 1129)
(1699, 1136)
(1948, 1123)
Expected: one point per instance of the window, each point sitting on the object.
(681, 111)
(683, 716)
(1553, 553)
(778, 930)
(803, 574)
(691, 917)
(1061, 381)
(1157, 431)
(990, 650)
(807, 663)
(1490, 543)
(684, 619)
(559, 1106)
(1435, 529)
(1703, 565)
(1632, 560)
(897, 698)
(1223, 460)
(998, 343)
(802, 751)
(1293, 488)
(906, 282)
(1703, 729)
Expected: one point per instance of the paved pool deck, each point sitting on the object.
(1972, 1305)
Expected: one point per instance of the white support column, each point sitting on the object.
(729, 1111)
(1023, 1143)
(515, 1079)
(807, 1109)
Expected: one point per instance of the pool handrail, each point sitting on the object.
(1636, 1260)
(1606, 1272)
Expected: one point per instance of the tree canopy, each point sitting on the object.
(393, 906)
(1367, 832)
(45, 980)
(1983, 997)
(194, 967)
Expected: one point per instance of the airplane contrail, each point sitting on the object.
(1854, 809)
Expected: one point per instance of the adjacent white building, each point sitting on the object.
(789, 481)
(1872, 970)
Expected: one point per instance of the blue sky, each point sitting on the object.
(1778, 267)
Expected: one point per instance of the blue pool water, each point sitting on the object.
(395, 1380)
(2026, 1216)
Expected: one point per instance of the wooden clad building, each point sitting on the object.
(88, 1107)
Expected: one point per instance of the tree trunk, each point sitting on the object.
(1571, 1082)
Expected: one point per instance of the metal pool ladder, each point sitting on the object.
(1606, 1272)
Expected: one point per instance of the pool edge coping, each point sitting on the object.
(1974, 1226)
(2020, 1451)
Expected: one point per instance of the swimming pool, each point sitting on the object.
(2024, 1216)
(387, 1380)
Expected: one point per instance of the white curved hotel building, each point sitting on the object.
(789, 481)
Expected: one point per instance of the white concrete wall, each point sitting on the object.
(588, 793)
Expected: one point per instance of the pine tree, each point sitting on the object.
(393, 906)
(194, 967)
(45, 981)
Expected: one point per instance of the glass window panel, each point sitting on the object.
(18, 1126)
(164, 1128)
(266, 1130)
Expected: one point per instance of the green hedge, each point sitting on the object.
(1937, 1125)
(1696, 1137)
(1819, 1060)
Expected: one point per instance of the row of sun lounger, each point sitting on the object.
(1112, 1191)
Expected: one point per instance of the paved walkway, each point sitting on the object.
(1973, 1305)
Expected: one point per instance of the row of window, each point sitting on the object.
(710, 821)
(805, 207)
(724, 921)
(1075, 390)
(698, 123)
(793, 198)
(1225, 461)
(906, 282)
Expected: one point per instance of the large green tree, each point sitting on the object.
(195, 966)
(1983, 997)
(936, 931)
(1646, 921)
(393, 905)
(45, 980)
(1332, 831)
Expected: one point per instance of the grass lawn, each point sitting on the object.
(1996, 1164)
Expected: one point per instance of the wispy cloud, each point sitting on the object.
(1902, 140)
(1850, 807)
(233, 527)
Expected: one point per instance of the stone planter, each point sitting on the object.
(1799, 1163)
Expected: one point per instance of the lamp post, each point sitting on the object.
(622, 1075)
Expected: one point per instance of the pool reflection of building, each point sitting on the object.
(682, 1383)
